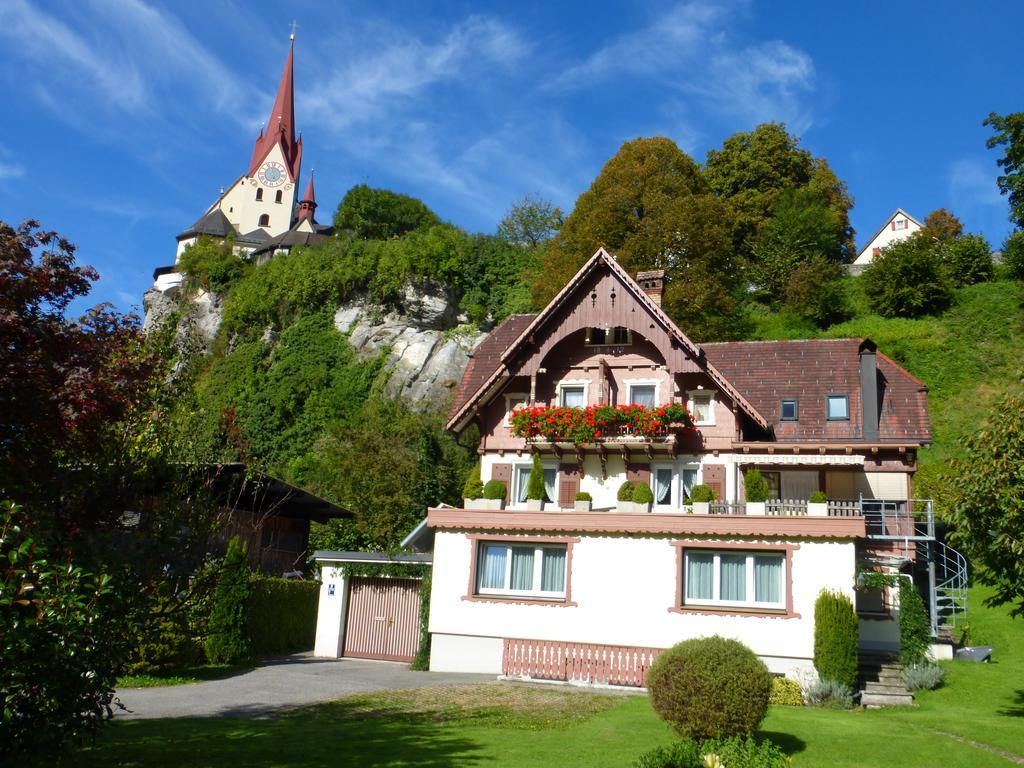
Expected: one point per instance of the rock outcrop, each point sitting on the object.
(428, 342)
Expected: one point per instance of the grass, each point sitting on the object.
(183, 676)
(532, 726)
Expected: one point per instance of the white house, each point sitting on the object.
(899, 226)
(594, 594)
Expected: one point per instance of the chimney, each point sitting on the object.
(869, 389)
(653, 283)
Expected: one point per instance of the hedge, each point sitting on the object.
(836, 638)
(282, 615)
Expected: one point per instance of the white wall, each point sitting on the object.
(886, 237)
(624, 587)
(330, 616)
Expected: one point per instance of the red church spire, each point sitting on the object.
(307, 204)
(281, 124)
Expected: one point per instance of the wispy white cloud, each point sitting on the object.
(10, 170)
(973, 183)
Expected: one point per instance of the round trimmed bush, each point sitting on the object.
(642, 494)
(625, 492)
(584, 496)
(494, 489)
(710, 687)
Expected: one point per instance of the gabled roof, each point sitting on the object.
(810, 370)
(303, 232)
(888, 221)
(213, 223)
(466, 398)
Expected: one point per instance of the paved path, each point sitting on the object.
(279, 684)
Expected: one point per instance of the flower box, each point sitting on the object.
(624, 506)
(755, 508)
(535, 505)
(817, 509)
(701, 507)
(583, 506)
(563, 424)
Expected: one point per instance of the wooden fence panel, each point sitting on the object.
(577, 662)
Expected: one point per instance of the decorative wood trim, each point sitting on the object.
(568, 521)
(474, 543)
(730, 610)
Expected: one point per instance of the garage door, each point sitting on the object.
(383, 620)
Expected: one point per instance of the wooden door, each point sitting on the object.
(383, 618)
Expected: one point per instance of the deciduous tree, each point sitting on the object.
(380, 214)
(941, 225)
(908, 279)
(1009, 133)
(531, 222)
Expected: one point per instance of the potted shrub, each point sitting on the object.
(817, 504)
(494, 494)
(473, 490)
(756, 488)
(535, 491)
(583, 501)
(643, 497)
(702, 496)
(625, 497)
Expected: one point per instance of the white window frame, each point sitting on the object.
(509, 397)
(630, 383)
(710, 394)
(717, 602)
(538, 565)
(514, 490)
(677, 468)
(573, 384)
(834, 396)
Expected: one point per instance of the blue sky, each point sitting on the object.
(125, 117)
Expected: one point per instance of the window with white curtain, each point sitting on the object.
(643, 394)
(671, 484)
(702, 407)
(734, 578)
(662, 478)
(521, 483)
(537, 570)
(572, 396)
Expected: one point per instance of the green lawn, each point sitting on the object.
(501, 725)
(193, 674)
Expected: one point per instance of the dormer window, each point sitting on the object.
(838, 408)
(259, 194)
(608, 337)
(264, 220)
(789, 410)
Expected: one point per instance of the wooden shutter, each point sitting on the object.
(568, 485)
(714, 478)
(503, 472)
(638, 473)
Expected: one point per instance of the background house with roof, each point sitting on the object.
(899, 226)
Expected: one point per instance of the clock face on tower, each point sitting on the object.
(272, 174)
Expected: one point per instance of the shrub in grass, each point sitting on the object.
(710, 687)
(642, 494)
(755, 485)
(908, 279)
(734, 752)
(494, 489)
(625, 492)
(829, 694)
(786, 692)
(836, 638)
(968, 260)
(227, 639)
(923, 676)
(915, 628)
(474, 487)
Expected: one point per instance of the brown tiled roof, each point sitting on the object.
(767, 371)
(485, 359)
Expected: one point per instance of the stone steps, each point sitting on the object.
(881, 682)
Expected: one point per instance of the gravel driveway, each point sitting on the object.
(279, 684)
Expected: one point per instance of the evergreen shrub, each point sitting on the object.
(735, 752)
(583, 496)
(818, 497)
(474, 487)
(1013, 254)
(494, 489)
(227, 639)
(282, 615)
(702, 493)
(786, 692)
(908, 279)
(915, 628)
(642, 494)
(535, 489)
(755, 485)
(625, 492)
(968, 260)
(710, 687)
(836, 638)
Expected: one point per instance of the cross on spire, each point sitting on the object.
(294, 27)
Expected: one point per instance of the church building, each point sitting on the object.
(261, 211)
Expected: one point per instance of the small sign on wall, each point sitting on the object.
(330, 590)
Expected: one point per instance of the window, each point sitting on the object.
(521, 481)
(603, 337)
(643, 394)
(572, 395)
(789, 410)
(521, 569)
(876, 252)
(667, 494)
(774, 482)
(259, 194)
(731, 578)
(702, 406)
(899, 224)
(838, 408)
(264, 220)
(513, 402)
(277, 196)
(662, 486)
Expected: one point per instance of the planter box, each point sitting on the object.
(583, 506)
(701, 507)
(755, 508)
(624, 506)
(535, 505)
(639, 507)
(817, 509)
(489, 503)
(475, 503)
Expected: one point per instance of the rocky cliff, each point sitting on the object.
(426, 339)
